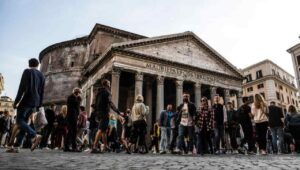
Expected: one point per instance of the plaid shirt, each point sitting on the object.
(206, 115)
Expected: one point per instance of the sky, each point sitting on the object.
(243, 31)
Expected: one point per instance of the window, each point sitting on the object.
(298, 59)
(282, 97)
(260, 86)
(249, 89)
(293, 101)
(275, 84)
(251, 99)
(280, 87)
(263, 95)
(249, 78)
(297, 103)
(288, 99)
(72, 64)
(259, 74)
(278, 95)
(273, 72)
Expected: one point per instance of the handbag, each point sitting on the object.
(40, 120)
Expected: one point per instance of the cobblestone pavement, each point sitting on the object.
(48, 159)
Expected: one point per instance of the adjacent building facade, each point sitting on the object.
(295, 53)
(272, 82)
(160, 68)
(1, 83)
(6, 103)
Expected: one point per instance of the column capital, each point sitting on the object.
(198, 84)
(139, 76)
(227, 92)
(116, 71)
(160, 80)
(179, 83)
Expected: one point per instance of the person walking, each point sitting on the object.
(244, 117)
(293, 124)
(174, 130)
(139, 122)
(93, 126)
(205, 124)
(29, 98)
(232, 126)
(165, 127)
(276, 123)
(259, 111)
(102, 107)
(81, 127)
(220, 120)
(73, 105)
(49, 128)
(61, 129)
(186, 120)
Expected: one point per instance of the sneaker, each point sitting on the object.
(12, 150)
(235, 152)
(162, 152)
(263, 152)
(36, 141)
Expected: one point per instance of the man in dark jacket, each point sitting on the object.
(29, 98)
(73, 104)
(276, 124)
(47, 130)
(102, 107)
(220, 120)
(244, 114)
(186, 120)
(232, 126)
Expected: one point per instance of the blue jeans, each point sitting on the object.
(277, 134)
(165, 138)
(219, 136)
(23, 114)
(183, 132)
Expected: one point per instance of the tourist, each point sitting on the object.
(103, 105)
(28, 99)
(139, 122)
(244, 117)
(276, 123)
(155, 135)
(81, 126)
(259, 111)
(61, 127)
(5, 126)
(112, 133)
(232, 126)
(293, 123)
(49, 128)
(174, 130)
(165, 128)
(126, 129)
(93, 126)
(205, 125)
(220, 119)
(185, 120)
(73, 105)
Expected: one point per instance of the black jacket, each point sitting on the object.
(31, 89)
(73, 104)
(192, 111)
(275, 116)
(104, 103)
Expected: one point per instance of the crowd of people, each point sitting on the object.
(213, 128)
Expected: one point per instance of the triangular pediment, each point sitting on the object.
(187, 49)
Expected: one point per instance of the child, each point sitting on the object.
(155, 134)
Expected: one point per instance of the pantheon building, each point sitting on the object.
(160, 68)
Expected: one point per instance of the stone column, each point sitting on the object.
(138, 84)
(160, 95)
(148, 102)
(197, 94)
(89, 100)
(239, 96)
(179, 89)
(115, 82)
(213, 92)
(226, 96)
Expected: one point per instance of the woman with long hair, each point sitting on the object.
(61, 129)
(205, 124)
(259, 111)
